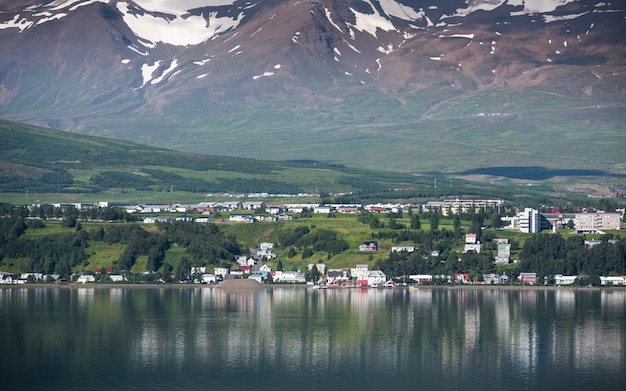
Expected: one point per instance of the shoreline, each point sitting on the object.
(247, 287)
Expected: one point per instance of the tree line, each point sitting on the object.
(61, 253)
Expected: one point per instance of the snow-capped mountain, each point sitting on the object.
(244, 77)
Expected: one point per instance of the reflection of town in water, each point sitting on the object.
(458, 333)
(454, 328)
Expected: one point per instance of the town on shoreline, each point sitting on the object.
(264, 267)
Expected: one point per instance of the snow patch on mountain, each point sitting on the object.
(351, 46)
(553, 18)
(295, 36)
(190, 30)
(16, 22)
(330, 19)
(477, 5)
(147, 44)
(172, 66)
(385, 50)
(265, 74)
(147, 70)
(179, 7)
(400, 11)
(134, 49)
(537, 6)
(59, 5)
(468, 36)
(529, 7)
(370, 23)
(53, 17)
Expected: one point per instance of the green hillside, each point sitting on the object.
(38, 160)
(38, 164)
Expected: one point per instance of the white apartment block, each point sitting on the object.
(590, 222)
(456, 206)
(529, 221)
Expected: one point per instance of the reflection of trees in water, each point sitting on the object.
(439, 336)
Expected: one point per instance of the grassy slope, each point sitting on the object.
(546, 125)
(27, 153)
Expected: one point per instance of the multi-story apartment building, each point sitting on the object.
(597, 221)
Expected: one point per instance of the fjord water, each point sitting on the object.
(306, 339)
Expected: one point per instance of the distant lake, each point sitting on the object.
(305, 339)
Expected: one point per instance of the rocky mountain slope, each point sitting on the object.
(391, 84)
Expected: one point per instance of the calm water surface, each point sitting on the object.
(305, 339)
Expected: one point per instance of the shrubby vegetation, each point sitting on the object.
(313, 240)
(551, 254)
(60, 253)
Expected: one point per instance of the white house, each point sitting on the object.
(369, 246)
(198, 269)
(117, 278)
(408, 249)
(359, 272)
(322, 209)
(221, 271)
(208, 278)
(266, 245)
(613, 280)
(158, 219)
(8, 278)
(256, 277)
(85, 278)
(471, 247)
(267, 253)
(289, 276)
(245, 261)
(242, 218)
(373, 278)
(273, 209)
(299, 208)
(560, 279)
(205, 220)
(495, 278)
(253, 205)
